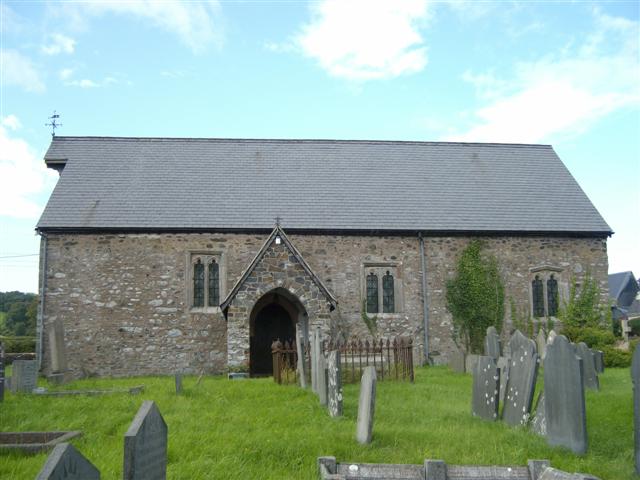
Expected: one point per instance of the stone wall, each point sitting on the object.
(123, 298)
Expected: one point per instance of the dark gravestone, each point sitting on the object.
(486, 388)
(492, 347)
(635, 378)
(145, 445)
(178, 379)
(456, 361)
(564, 397)
(335, 383)
(1, 372)
(24, 376)
(521, 384)
(598, 356)
(503, 366)
(366, 405)
(589, 375)
(518, 340)
(67, 463)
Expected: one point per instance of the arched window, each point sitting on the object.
(552, 296)
(538, 297)
(372, 293)
(214, 284)
(198, 284)
(387, 293)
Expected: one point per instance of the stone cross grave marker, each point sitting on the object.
(492, 347)
(145, 445)
(67, 463)
(335, 383)
(1, 372)
(486, 389)
(589, 375)
(541, 343)
(24, 376)
(635, 379)
(521, 384)
(456, 361)
(564, 397)
(366, 405)
(321, 381)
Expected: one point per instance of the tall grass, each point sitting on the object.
(257, 429)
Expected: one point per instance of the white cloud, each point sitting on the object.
(365, 39)
(197, 24)
(22, 176)
(560, 95)
(65, 73)
(59, 44)
(17, 70)
(11, 121)
(84, 83)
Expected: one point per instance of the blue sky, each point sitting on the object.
(560, 73)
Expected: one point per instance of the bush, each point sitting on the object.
(18, 344)
(616, 327)
(614, 358)
(594, 337)
(635, 326)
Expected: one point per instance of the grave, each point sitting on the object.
(67, 463)
(1, 372)
(58, 352)
(63, 393)
(486, 389)
(24, 376)
(598, 356)
(492, 347)
(564, 397)
(178, 379)
(635, 379)
(470, 362)
(366, 405)
(321, 380)
(456, 361)
(539, 422)
(521, 384)
(552, 335)
(334, 383)
(316, 349)
(503, 366)
(541, 343)
(145, 445)
(302, 366)
(589, 375)
(34, 442)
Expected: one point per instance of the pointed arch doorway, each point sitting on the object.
(273, 317)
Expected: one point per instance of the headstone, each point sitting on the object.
(552, 335)
(57, 346)
(503, 366)
(145, 445)
(1, 372)
(456, 361)
(598, 356)
(470, 362)
(317, 352)
(564, 397)
(518, 340)
(589, 375)
(541, 343)
(366, 405)
(178, 383)
(486, 388)
(67, 463)
(635, 379)
(302, 367)
(335, 383)
(521, 384)
(553, 474)
(321, 381)
(492, 347)
(24, 376)
(539, 422)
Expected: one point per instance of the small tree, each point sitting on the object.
(582, 308)
(475, 297)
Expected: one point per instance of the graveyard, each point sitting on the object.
(256, 428)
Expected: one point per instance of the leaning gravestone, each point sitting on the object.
(564, 397)
(521, 384)
(24, 376)
(486, 388)
(635, 379)
(456, 361)
(1, 372)
(541, 343)
(366, 405)
(492, 345)
(145, 445)
(334, 383)
(321, 381)
(589, 375)
(67, 463)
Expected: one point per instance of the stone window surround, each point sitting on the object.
(380, 269)
(544, 272)
(205, 256)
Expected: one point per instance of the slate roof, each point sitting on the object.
(241, 184)
(618, 283)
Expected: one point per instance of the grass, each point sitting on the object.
(257, 429)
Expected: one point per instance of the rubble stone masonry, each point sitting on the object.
(124, 298)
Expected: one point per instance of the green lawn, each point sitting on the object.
(257, 429)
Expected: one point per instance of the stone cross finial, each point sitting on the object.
(278, 220)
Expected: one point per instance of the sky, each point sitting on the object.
(550, 72)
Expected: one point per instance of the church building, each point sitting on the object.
(163, 255)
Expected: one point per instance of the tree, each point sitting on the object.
(475, 297)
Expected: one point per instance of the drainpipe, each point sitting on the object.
(43, 289)
(425, 306)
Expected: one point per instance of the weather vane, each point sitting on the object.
(54, 123)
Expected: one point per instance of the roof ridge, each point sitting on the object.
(297, 140)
